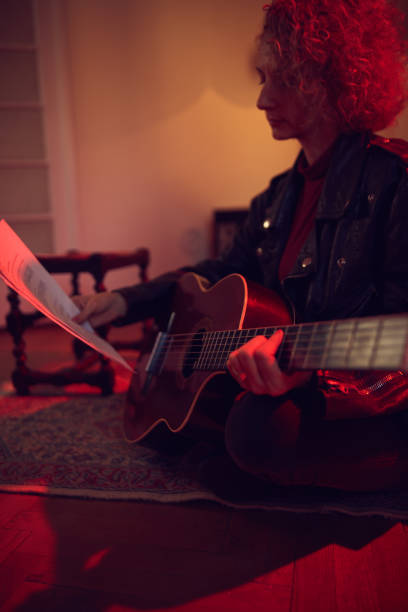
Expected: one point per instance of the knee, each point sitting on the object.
(261, 433)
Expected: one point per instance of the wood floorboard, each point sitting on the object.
(355, 584)
(12, 505)
(314, 567)
(389, 563)
(73, 547)
(93, 522)
(70, 554)
(153, 556)
(362, 570)
(250, 598)
(265, 536)
(10, 540)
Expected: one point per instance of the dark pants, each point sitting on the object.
(287, 443)
(290, 442)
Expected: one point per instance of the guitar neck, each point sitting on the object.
(369, 343)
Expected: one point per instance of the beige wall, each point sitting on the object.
(165, 124)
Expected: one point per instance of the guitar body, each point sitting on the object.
(231, 304)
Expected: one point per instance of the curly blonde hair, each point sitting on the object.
(354, 48)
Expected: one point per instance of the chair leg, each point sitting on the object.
(16, 326)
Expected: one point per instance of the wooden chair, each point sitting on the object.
(74, 263)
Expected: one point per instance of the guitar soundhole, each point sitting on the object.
(193, 353)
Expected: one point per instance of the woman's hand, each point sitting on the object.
(255, 368)
(100, 308)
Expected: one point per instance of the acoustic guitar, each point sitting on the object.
(208, 323)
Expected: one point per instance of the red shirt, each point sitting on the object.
(305, 212)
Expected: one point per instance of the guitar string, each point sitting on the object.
(341, 326)
(223, 336)
(212, 348)
(234, 339)
(315, 347)
(225, 354)
(214, 341)
(316, 343)
(226, 335)
(287, 351)
(319, 340)
(180, 358)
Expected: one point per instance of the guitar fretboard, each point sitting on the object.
(370, 343)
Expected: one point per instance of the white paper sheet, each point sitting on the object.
(21, 270)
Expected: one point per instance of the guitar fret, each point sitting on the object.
(307, 362)
(233, 343)
(332, 327)
(280, 354)
(362, 344)
(376, 344)
(293, 349)
(230, 342)
(350, 343)
(220, 346)
(245, 338)
(204, 349)
(319, 348)
(336, 355)
(285, 354)
(200, 361)
(302, 347)
(391, 344)
(210, 353)
(220, 350)
(226, 350)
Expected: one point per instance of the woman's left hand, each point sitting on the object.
(255, 368)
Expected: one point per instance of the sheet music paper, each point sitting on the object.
(21, 270)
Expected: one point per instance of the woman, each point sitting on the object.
(328, 235)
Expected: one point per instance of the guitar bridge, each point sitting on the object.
(155, 363)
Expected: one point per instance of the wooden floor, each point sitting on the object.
(72, 555)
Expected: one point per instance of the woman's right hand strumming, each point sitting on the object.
(100, 308)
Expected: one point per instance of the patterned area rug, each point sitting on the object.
(74, 446)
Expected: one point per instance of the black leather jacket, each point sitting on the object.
(354, 262)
